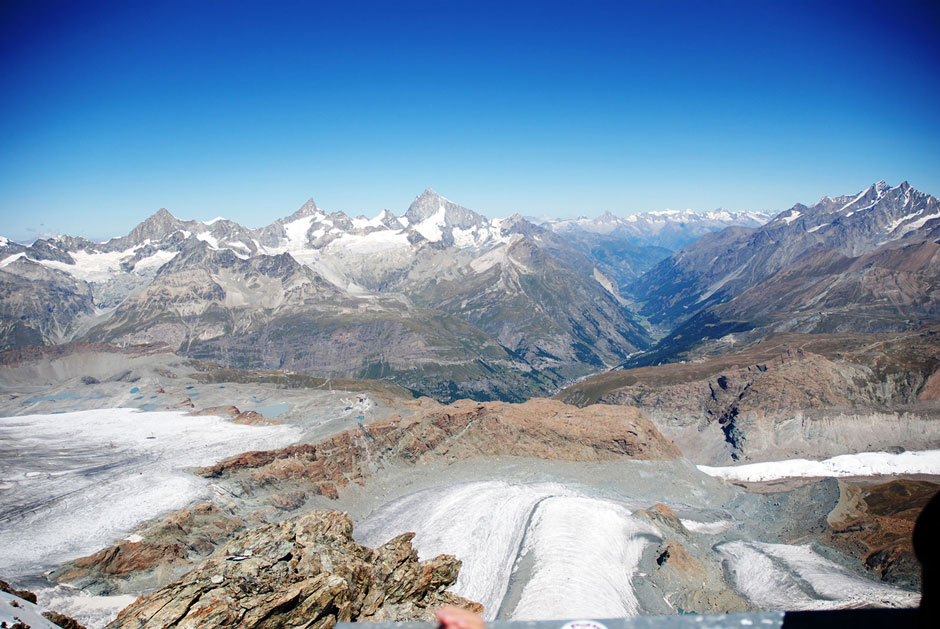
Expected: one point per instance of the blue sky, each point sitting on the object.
(113, 110)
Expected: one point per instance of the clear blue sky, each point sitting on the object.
(111, 111)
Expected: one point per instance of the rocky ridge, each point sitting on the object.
(538, 428)
(857, 263)
(302, 572)
(432, 300)
(787, 396)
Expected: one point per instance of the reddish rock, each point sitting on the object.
(538, 428)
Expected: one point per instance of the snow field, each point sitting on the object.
(779, 576)
(584, 551)
(73, 483)
(862, 464)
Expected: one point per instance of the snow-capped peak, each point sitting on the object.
(213, 221)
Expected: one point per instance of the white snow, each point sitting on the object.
(213, 221)
(92, 266)
(432, 227)
(917, 224)
(795, 214)
(583, 551)
(780, 576)
(11, 259)
(890, 227)
(208, 238)
(157, 260)
(296, 232)
(862, 464)
(707, 528)
(373, 242)
(818, 227)
(363, 223)
(488, 260)
(859, 196)
(15, 610)
(76, 482)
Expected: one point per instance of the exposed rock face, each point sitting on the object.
(862, 263)
(538, 428)
(162, 551)
(442, 300)
(874, 523)
(789, 395)
(689, 573)
(303, 572)
(39, 305)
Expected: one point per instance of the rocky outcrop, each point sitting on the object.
(24, 599)
(303, 572)
(160, 552)
(874, 523)
(538, 428)
(788, 395)
(688, 573)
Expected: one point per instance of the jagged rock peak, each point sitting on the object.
(307, 209)
(429, 203)
(156, 227)
(307, 572)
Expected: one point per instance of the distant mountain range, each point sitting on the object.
(451, 304)
(866, 262)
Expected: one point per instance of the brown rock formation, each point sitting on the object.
(172, 543)
(538, 428)
(303, 572)
(788, 395)
(874, 523)
(689, 575)
(253, 418)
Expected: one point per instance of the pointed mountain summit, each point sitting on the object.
(307, 209)
(155, 228)
(429, 204)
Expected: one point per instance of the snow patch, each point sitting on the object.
(862, 464)
(432, 227)
(707, 528)
(296, 232)
(11, 259)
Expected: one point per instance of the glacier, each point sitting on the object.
(73, 483)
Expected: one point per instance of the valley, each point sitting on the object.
(670, 413)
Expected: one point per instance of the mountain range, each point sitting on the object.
(451, 304)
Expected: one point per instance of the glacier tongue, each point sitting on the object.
(482, 523)
(780, 576)
(584, 550)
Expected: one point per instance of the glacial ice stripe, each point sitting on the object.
(861, 464)
(584, 551)
(72, 483)
(780, 576)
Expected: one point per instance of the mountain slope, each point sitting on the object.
(862, 263)
(440, 299)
